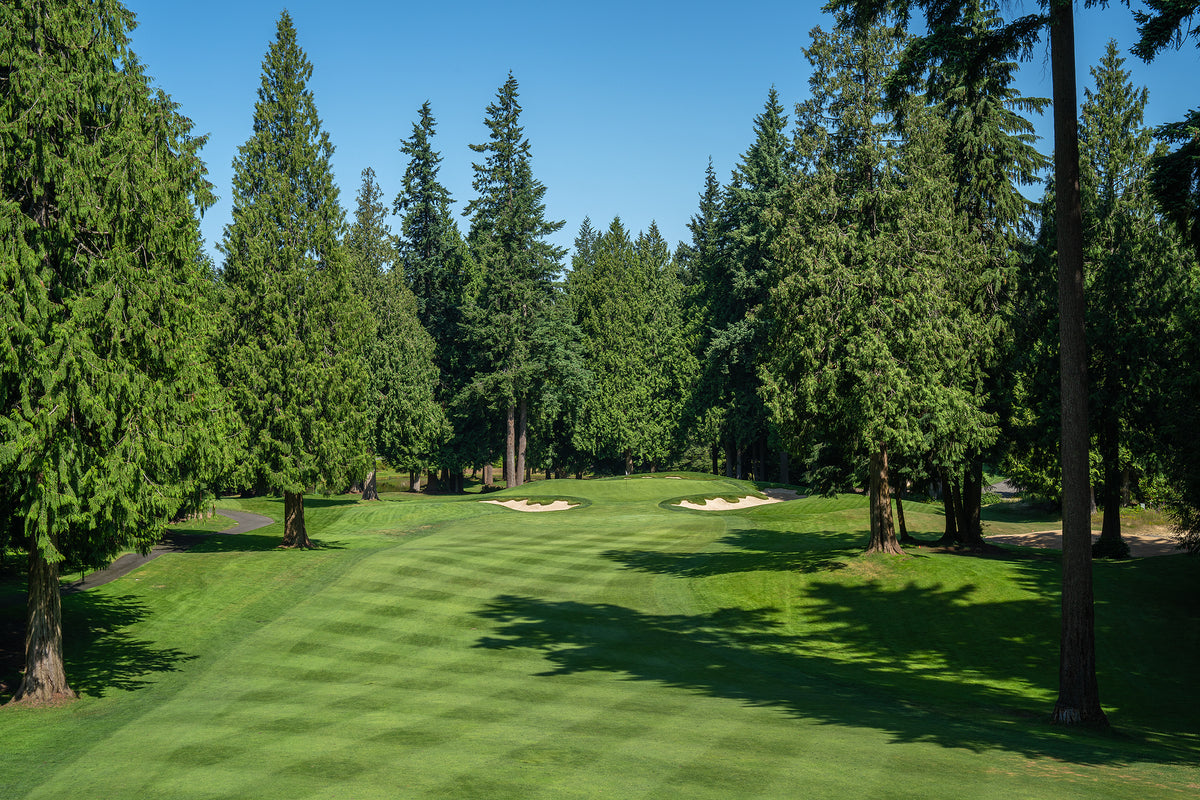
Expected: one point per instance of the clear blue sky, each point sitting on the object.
(624, 102)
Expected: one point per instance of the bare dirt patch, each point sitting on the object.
(1141, 544)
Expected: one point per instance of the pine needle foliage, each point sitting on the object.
(294, 327)
(108, 421)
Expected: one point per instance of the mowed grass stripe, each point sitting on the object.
(618, 655)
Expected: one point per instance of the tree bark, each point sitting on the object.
(487, 475)
(950, 534)
(45, 679)
(905, 538)
(1078, 692)
(784, 476)
(883, 532)
(414, 481)
(370, 490)
(294, 533)
(730, 458)
(522, 440)
(1110, 544)
(971, 532)
(628, 463)
(510, 447)
(713, 450)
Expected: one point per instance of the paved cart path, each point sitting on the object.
(171, 543)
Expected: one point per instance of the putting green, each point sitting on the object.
(453, 649)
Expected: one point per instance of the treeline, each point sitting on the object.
(868, 301)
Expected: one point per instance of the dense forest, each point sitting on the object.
(868, 302)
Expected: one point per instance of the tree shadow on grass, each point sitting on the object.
(957, 689)
(101, 654)
(252, 543)
(757, 550)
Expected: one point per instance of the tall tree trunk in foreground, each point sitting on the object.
(1110, 544)
(950, 535)
(510, 447)
(905, 538)
(45, 678)
(1078, 692)
(883, 531)
(294, 533)
(370, 490)
(522, 440)
(971, 532)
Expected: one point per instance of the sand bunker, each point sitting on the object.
(1140, 544)
(720, 504)
(525, 505)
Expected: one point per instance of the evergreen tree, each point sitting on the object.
(1079, 696)
(700, 266)
(442, 275)
(628, 306)
(740, 287)
(871, 329)
(295, 328)
(407, 422)
(508, 241)
(108, 409)
(991, 148)
(1176, 174)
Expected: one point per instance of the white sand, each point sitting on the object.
(720, 504)
(525, 505)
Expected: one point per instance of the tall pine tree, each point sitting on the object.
(294, 326)
(508, 241)
(407, 424)
(106, 398)
(435, 262)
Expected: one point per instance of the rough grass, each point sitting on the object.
(446, 648)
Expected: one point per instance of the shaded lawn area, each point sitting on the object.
(455, 649)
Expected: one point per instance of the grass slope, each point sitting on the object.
(453, 649)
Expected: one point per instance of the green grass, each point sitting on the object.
(445, 648)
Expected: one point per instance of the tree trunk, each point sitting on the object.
(883, 532)
(905, 538)
(741, 471)
(714, 450)
(628, 463)
(971, 532)
(1078, 692)
(487, 475)
(45, 679)
(294, 533)
(784, 476)
(370, 490)
(730, 458)
(950, 535)
(510, 447)
(414, 481)
(960, 513)
(1110, 544)
(522, 441)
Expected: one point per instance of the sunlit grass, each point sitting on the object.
(442, 647)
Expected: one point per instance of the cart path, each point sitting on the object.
(171, 543)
